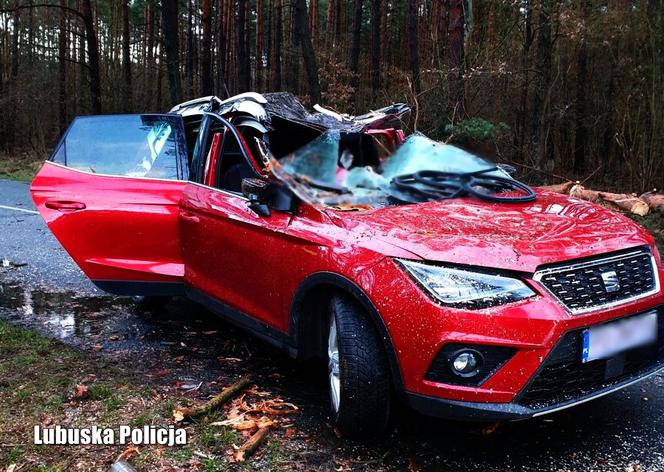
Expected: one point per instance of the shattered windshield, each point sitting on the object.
(344, 171)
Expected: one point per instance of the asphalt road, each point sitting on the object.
(26, 241)
(44, 290)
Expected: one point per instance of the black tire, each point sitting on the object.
(364, 379)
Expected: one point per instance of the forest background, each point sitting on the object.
(561, 89)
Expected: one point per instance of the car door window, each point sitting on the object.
(142, 146)
(234, 165)
(220, 158)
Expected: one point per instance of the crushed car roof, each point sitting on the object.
(284, 105)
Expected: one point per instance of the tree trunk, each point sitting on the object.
(354, 59)
(455, 48)
(383, 30)
(313, 23)
(331, 20)
(293, 52)
(31, 34)
(222, 48)
(413, 48)
(522, 134)
(242, 53)
(542, 80)
(275, 77)
(149, 20)
(62, 69)
(13, 80)
(231, 54)
(126, 57)
(308, 53)
(269, 38)
(247, 47)
(206, 52)
(259, 45)
(189, 65)
(375, 44)
(581, 78)
(339, 29)
(169, 11)
(439, 30)
(93, 56)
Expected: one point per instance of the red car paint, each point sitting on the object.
(128, 230)
(149, 230)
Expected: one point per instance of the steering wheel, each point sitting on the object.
(438, 185)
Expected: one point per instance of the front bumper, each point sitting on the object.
(513, 411)
(419, 328)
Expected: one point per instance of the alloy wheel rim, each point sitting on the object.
(333, 365)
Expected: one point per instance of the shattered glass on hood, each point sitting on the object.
(323, 171)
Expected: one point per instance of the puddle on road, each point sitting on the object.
(61, 314)
(177, 341)
(118, 325)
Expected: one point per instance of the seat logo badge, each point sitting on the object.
(611, 282)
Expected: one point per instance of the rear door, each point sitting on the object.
(110, 195)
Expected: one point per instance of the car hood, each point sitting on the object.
(517, 237)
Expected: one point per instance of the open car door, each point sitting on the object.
(110, 195)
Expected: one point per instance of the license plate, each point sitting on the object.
(607, 340)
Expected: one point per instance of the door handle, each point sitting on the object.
(189, 217)
(64, 205)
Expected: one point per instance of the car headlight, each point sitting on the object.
(467, 289)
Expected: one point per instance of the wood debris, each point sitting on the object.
(250, 446)
(654, 200)
(180, 414)
(631, 203)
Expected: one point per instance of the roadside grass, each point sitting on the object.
(23, 167)
(654, 222)
(38, 386)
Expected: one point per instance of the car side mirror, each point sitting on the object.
(257, 191)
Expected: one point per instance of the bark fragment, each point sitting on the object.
(249, 447)
(180, 414)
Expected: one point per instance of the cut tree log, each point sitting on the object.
(579, 191)
(559, 188)
(630, 203)
(646, 203)
(654, 200)
(249, 447)
(180, 414)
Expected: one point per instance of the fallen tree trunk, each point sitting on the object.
(559, 188)
(579, 191)
(215, 402)
(650, 201)
(249, 447)
(654, 200)
(630, 203)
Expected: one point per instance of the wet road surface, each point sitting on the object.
(43, 290)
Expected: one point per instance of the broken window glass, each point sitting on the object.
(323, 171)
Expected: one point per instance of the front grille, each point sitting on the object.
(563, 377)
(581, 287)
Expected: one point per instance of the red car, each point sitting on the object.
(422, 273)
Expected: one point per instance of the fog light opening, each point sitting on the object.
(466, 363)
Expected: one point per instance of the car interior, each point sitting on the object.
(227, 158)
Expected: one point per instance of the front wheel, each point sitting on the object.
(358, 372)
